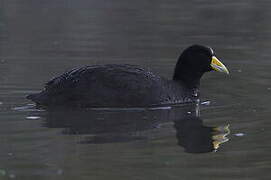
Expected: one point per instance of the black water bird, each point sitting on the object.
(126, 85)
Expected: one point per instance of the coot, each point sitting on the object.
(123, 85)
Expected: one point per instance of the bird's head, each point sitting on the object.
(194, 62)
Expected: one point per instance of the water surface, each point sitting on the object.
(39, 40)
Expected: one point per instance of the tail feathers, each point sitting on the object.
(38, 98)
(31, 96)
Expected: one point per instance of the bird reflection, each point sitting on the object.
(106, 126)
(197, 138)
(123, 126)
(194, 136)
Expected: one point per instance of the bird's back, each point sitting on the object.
(110, 86)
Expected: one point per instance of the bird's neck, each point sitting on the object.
(188, 78)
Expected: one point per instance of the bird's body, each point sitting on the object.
(125, 85)
(110, 86)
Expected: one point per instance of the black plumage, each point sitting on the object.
(126, 85)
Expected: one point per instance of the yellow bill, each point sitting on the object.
(218, 66)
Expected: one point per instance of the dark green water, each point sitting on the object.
(41, 39)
